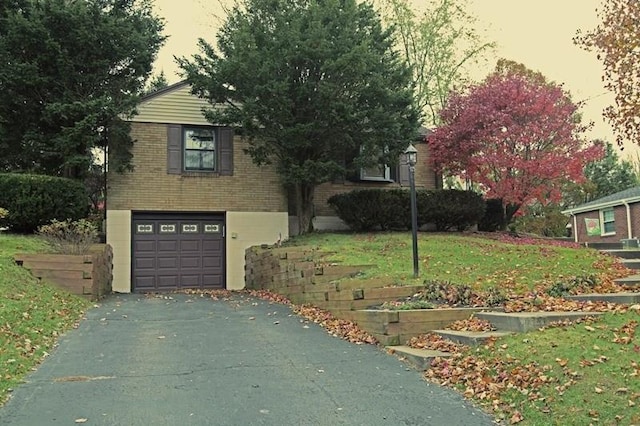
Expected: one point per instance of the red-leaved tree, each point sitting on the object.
(515, 135)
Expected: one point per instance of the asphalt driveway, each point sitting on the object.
(191, 360)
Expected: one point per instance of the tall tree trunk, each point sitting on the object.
(509, 211)
(304, 207)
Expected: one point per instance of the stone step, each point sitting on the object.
(631, 263)
(631, 280)
(624, 254)
(625, 298)
(521, 322)
(418, 358)
(470, 338)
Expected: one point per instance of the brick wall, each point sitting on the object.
(621, 225)
(149, 187)
(251, 188)
(425, 179)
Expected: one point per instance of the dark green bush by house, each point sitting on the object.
(35, 200)
(451, 209)
(369, 209)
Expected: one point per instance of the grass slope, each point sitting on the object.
(576, 374)
(32, 313)
(461, 259)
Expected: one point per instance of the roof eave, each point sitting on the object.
(600, 206)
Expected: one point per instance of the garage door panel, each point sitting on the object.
(167, 262)
(190, 262)
(190, 245)
(212, 281)
(212, 245)
(145, 283)
(211, 262)
(145, 247)
(174, 251)
(145, 263)
(190, 281)
(167, 245)
(168, 281)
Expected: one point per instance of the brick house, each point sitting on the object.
(195, 201)
(609, 219)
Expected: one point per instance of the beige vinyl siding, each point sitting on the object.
(176, 105)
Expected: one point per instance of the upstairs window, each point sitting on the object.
(200, 149)
(192, 150)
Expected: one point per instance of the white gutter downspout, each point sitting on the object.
(575, 228)
(629, 231)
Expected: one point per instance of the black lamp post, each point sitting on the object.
(412, 158)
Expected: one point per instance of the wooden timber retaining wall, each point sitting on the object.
(299, 274)
(89, 275)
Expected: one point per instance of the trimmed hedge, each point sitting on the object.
(451, 209)
(369, 209)
(35, 200)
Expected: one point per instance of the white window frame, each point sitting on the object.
(613, 221)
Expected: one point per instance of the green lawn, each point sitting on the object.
(32, 314)
(461, 259)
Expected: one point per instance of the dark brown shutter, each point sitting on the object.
(174, 149)
(225, 148)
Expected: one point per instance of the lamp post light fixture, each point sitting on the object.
(411, 155)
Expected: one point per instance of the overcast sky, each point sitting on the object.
(536, 33)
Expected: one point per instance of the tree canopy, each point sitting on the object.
(516, 135)
(70, 70)
(608, 175)
(617, 43)
(309, 83)
(439, 44)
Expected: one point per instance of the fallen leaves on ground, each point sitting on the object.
(336, 327)
(471, 324)
(435, 342)
(341, 328)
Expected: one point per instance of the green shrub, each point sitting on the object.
(70, 237)
(384, 209)
(368, 209)
(451, 209)
(35, 200)
(448, 293)
(579, 283)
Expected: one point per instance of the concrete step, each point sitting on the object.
(624, 254)
(418, 358)
(470, 338)
(625, 298)
(521, 322)
(631, 280)
(631, 263)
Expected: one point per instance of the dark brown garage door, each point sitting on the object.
(177, 251)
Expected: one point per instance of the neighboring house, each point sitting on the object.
(195, 201)
(609, 219)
